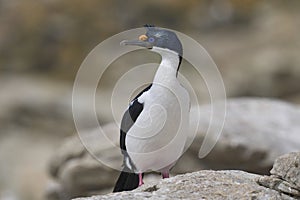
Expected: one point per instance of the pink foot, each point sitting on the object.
(165, 174)
(140, 179)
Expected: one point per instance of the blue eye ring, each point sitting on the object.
(151, 39)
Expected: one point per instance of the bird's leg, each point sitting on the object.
(141, 179)
(165, 174)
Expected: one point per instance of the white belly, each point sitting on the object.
(157, 138)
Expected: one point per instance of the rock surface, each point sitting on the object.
(283, 184)
(202, 185)
(287, 167)
(285, 175)
(255, 133)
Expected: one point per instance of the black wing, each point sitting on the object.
(130, 116)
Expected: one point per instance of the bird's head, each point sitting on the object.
(157, 38)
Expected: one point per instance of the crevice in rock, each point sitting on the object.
(151, 189)
(278, 184)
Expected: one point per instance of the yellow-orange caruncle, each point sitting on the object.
(143, 37)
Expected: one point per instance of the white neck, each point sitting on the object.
(167, 70)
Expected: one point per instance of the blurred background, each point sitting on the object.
(255, 44)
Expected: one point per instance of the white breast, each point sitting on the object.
(157, 138)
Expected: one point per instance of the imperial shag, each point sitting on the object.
(155, 125)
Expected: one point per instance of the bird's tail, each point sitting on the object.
(126, 181)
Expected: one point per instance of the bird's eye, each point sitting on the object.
(151, 39)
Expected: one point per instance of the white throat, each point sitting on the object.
(167, 70)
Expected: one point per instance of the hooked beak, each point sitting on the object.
(140, 42)
(137, 43)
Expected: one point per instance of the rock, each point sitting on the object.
(78, 172)
(71, 148)
(255, 133)
(287, 167)
(204, 184)
(85, 176)
(285, 175)
(54, 191)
